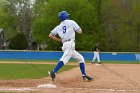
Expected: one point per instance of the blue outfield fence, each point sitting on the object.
(45, 55)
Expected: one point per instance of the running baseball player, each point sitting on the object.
(66, 31)
(96, 54)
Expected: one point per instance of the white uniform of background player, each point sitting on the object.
(96, 54)
(66, 31)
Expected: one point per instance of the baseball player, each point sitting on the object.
(96, 54)
(66, 32)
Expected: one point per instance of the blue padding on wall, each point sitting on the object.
(30, 55)
(111, 56)
(37, 55)
(118, 57)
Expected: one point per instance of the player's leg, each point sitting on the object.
(81, 61)
(94, 58)
(68, 51)
(98, 58)
(64, 59)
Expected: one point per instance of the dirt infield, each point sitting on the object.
(109, 78)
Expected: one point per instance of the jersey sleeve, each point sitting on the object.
(54, 31)
(76, 27)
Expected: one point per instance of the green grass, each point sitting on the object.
(88, 61)
(34, 71)
(27, 71)
(4, 60)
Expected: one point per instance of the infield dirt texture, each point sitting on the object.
(109, 78)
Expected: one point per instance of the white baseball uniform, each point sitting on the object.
(66, 31)
(96, 54)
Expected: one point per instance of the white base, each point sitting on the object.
(97, 64)
(47, 86)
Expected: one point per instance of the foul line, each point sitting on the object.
(90, 89)
(110, 90)
(15, 89)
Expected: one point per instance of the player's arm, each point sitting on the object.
(79, 30)
(97, 50)
(54, 37)
(76, 27)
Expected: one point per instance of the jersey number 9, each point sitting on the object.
(64, 29)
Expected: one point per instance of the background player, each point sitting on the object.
(66, 31)
(96, 54)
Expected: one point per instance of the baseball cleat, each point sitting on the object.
(87, 79)
(99, 63)
(52, 75)
(93, 62)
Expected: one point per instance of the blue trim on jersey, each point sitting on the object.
(77, 29)
(53, 34)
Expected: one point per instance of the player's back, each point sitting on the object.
(66, 30)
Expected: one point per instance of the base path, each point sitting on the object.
(108, 78)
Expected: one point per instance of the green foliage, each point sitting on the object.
(15, 16)
(121, 23)
(7, 20)
(115, 24)
(81, 11)
(18, 42)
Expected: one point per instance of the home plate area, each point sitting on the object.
(47, 86)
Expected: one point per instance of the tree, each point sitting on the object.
(81, 11)
(19, 16)
(120, 24)
(18, 42)
(7, 20)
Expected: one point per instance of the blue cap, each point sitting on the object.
(63, 15)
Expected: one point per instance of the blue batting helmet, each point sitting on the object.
(63, 15)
